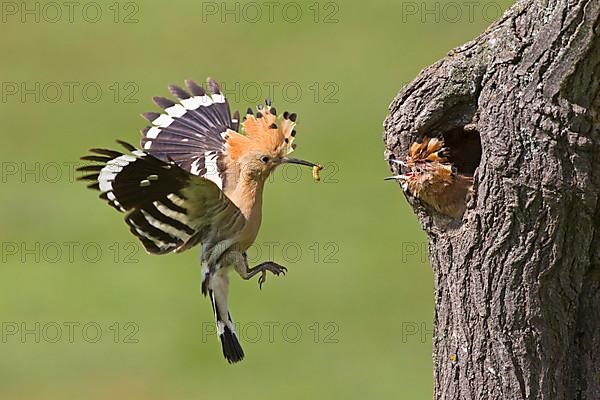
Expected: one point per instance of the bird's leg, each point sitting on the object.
(246, 272)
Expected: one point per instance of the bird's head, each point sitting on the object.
(265, 142)
(425, 167)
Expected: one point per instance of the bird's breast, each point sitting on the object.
(248, 234)
(248, 198)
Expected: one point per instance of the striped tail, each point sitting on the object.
(217, 286)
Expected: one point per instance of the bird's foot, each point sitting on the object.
(270, 266)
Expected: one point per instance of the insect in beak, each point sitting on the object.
(315, 167)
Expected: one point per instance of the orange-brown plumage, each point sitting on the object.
(431, 177)
(264, 142)
(267, 134)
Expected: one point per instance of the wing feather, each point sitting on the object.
(192, 130)
(168, 208)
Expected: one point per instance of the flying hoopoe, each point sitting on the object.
(431, 177)
(199, 180)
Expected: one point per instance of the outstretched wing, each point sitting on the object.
(168, 208)
(191, 132)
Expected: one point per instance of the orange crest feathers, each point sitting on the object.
(266, 132)
(429, 150)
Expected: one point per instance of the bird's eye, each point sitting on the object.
(264, 159)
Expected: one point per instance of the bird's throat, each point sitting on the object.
(247, 196)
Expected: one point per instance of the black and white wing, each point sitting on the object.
(169, 209)
(191, 132)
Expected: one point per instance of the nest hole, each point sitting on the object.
(464, 148)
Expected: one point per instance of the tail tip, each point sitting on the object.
(232, 350)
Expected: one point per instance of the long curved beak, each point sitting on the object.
(289, 160)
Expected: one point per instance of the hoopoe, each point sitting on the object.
(199, 180)
(431, 177)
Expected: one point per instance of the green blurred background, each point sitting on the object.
(353, 317)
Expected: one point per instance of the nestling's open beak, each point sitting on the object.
(403, 177)
(396, 177)
(289, 160)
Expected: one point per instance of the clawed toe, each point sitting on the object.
(261, 279)
(278, 269)
(274, 268)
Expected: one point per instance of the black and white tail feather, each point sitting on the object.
(172, 190)
(217, 287)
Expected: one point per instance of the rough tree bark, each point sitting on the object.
(517, 299)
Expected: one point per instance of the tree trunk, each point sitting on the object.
(517, 299)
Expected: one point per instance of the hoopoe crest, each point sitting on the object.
(198, 179)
